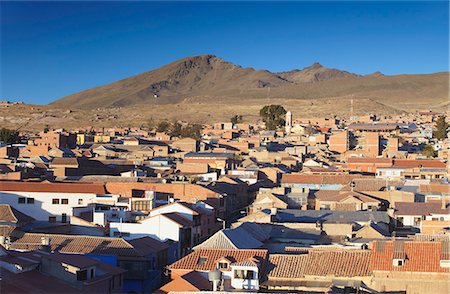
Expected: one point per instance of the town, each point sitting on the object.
(290, 204)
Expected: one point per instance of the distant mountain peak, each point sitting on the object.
(316, 65)
(377, 74)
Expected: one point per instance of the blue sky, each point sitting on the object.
(52, 49)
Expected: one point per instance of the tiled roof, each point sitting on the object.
(179, 219)
(192, 281)
(34, 282)
(6, 230)
(208, 154)
(419, 256)
(94, 188)
(434, 237)
(369, 160)
(12, 215)
(435, 188)
(77, 244)
(338, 196)
(312, 216)
(419, 208)
(236, 238)
(408, 163)
(318, 179)
(320, 263)
(204, 259)
(147, 245)
(371, 184)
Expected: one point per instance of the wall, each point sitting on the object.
(412, 282)
(43, 207)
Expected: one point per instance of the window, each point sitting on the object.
(397, 262)
(65, 201)
(92, 273)
(222, 265)
(64, 218)
(201, 260)
(244, 274)
(325, 207)
(82, 275)
(55, 201)
(52, 219)
(30, 200)
(21, 200)
(417, 221)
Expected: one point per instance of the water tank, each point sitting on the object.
(214, 275)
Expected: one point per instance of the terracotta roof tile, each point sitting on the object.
(320, 263)
(205, 259)
(94, 188)
(419, 256)
(77, 244)
(419, 208)
(12, 215)
(318, 179)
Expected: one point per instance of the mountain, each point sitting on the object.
(171, 83)
(207, 79)
(315, 73)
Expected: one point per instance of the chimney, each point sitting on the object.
(46, 244)
(273, 211)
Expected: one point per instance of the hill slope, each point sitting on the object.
(208, 78)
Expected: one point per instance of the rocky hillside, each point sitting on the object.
(208, 78)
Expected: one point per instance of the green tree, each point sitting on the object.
(191, 131)
(9, 136)
(273, 116)
(428, 151)
(176, 129)
(46, 128)
(441, 126)
(235, 119)
(163, 126)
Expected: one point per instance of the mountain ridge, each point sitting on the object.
(209, 76)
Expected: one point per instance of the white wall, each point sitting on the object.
(242, 283)
(43, 207)
(158, 226)
(174, 207)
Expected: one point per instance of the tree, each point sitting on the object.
(235, 119)
(441, 126)
(191, 131)
(176, 129)
(151, 123)
(163, 126)
(46, 128)
(273, 116)
(428, 151)
(9, 136)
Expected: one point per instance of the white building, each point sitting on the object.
(52, 202)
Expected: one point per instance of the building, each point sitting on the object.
(53, 272)
(53, 202)
(143, 259)
(339, 141)
(411, 266)
(240, 269)
(411, 215)
(318, 270)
